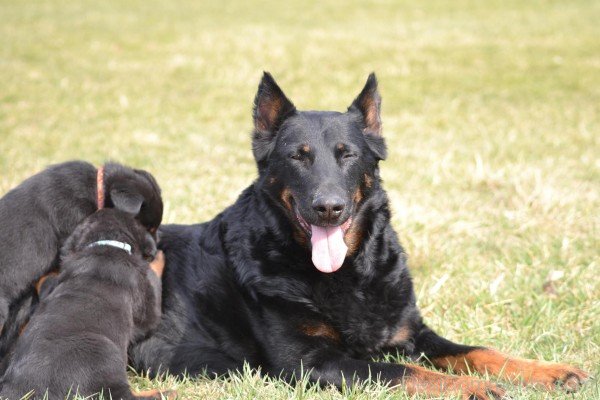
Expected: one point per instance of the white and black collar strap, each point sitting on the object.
(112, 243)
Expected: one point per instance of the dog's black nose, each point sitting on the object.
(329, 208)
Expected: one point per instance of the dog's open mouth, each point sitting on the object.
(328, 246)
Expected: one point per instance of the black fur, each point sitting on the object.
(242, 287)
(76, 341)
(39, 214)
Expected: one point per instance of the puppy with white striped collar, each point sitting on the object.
(106, 298)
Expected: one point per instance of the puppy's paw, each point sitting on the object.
(169, 394)
(156, 394)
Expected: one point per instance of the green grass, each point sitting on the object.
(491, 112)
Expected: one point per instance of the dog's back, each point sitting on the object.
(76, 342)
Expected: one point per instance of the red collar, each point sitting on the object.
(100, 188)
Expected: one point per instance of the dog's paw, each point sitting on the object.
(517, 370)
(430, 383)
(475, 389)
(554, 375)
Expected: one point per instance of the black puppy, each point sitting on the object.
(304, 272)
(39, 214)
(106, 297)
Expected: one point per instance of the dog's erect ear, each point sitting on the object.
(271, 108)
(368, 106)
(368, 103)
(126, 200)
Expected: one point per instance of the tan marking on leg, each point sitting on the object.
(531, 372)
(158, 264)
(403, 334)
(419, 380)
(368, 181)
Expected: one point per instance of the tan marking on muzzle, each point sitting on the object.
(368, 181)
(286, 198)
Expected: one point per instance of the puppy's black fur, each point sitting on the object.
(104, 298)
(244, 287)
(39, 214)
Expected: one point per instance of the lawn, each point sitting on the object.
(491, 110)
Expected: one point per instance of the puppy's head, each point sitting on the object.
(135, 192)
(112, 224)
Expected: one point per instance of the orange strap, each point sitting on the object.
(100, 188)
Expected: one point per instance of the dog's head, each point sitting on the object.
(319, 166)
(135, 192)
(110, 224)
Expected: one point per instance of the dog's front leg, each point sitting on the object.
(330, 367)
(316, 351)
(445, 354)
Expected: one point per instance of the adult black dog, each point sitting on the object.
(39, 214)
(305, 271)
(105, 297)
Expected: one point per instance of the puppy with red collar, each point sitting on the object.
(105, 298)
(38, 215)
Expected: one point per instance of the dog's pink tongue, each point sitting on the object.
(328, 248)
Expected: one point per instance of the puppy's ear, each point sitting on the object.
(368, 107)
(271, 108)
(126, 200)
(152, 210)
(149, 249)
(150, 178)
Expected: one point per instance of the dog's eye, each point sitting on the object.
(348, 156)
(296, 156)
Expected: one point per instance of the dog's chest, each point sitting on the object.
(366, 317)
